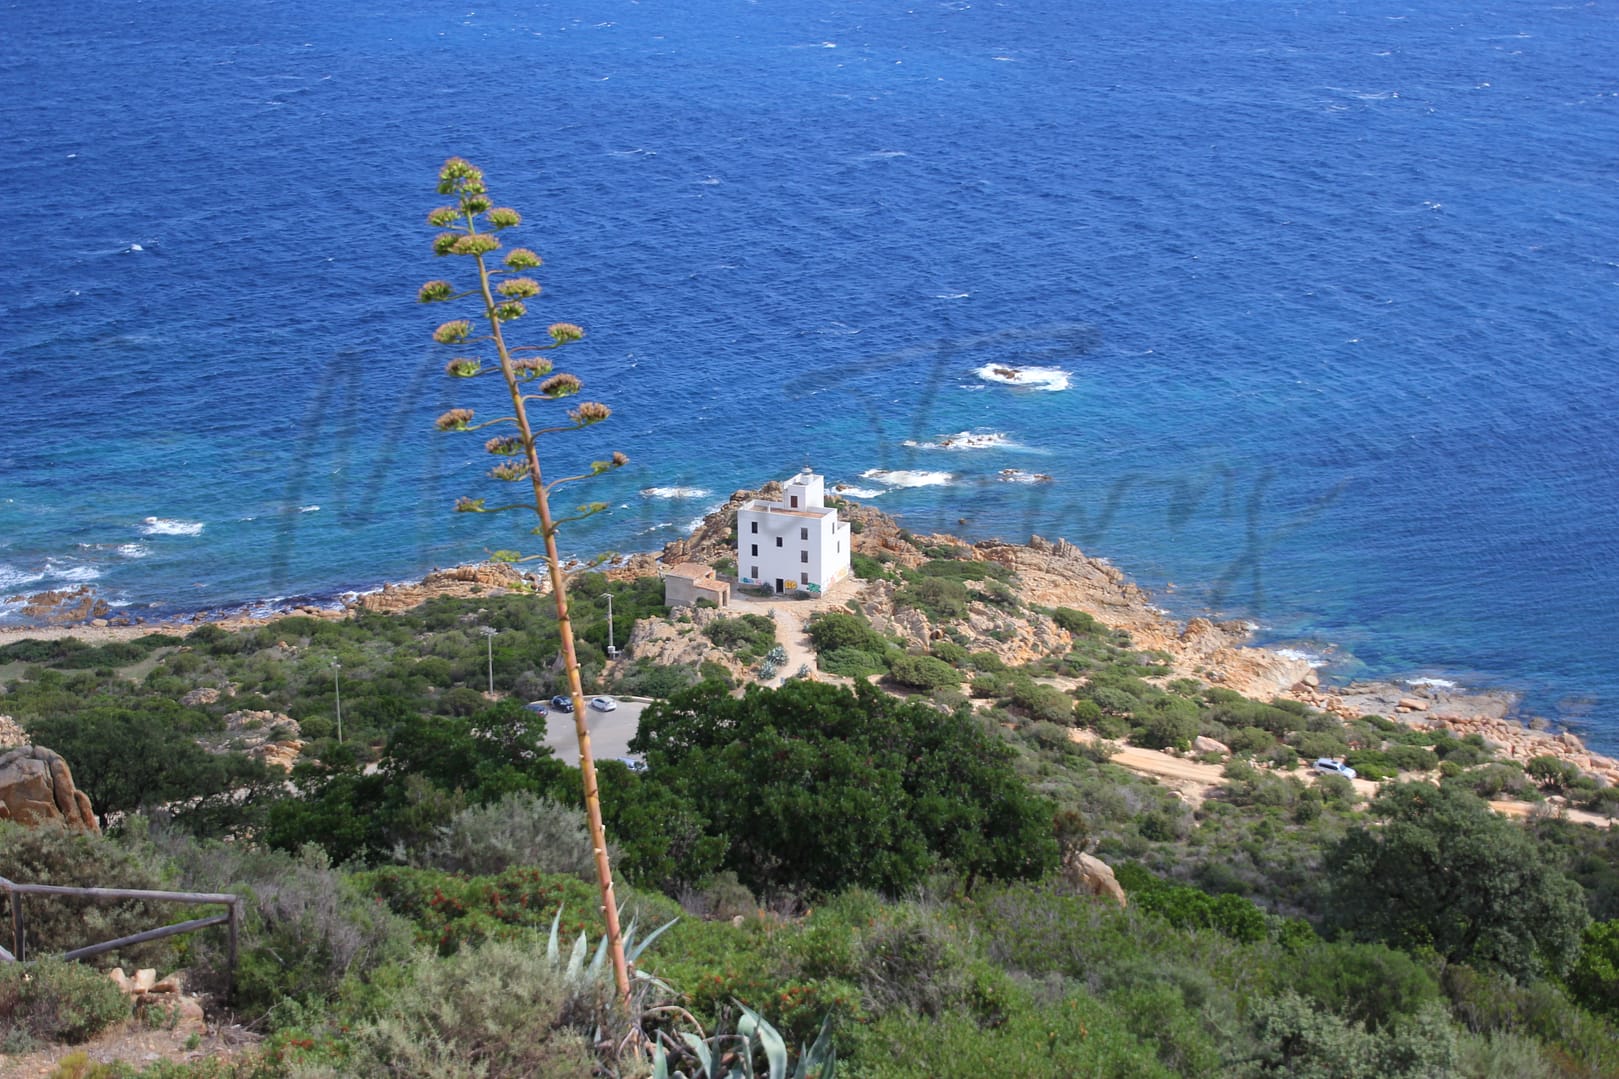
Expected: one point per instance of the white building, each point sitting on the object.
(795, 542)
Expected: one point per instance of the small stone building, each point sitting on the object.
(685, 584)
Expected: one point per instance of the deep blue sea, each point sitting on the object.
(1315, 311)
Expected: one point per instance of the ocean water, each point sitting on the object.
(1314, 310)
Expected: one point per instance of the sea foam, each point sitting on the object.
(675, 492)
(164, 526)
(1032, 378)
(903, 478)
(965, 440)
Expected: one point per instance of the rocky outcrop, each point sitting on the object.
(1089, 875)
(64, 606)
(458, 581)
(11, 734)
(1204, 744)
(272, 737)
(200, 696)
(36, 787)
(666, 642)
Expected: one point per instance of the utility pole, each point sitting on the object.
(489, 642)
(337, 688)
(611, 651)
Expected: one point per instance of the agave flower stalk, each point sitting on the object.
(470, 229)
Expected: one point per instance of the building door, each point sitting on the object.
(778, 584)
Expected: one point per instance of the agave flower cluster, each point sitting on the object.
(470, 228)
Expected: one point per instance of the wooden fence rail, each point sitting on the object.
(231, 919)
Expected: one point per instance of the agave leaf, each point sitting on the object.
(635, 953)
(700, 1048)
(598, 962)
(820, 1060)
(576, 961)
(552, 952)
(775, 1049)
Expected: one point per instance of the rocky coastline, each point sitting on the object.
(1052, 573)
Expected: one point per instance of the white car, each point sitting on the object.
(604, 704)
(1328, 766)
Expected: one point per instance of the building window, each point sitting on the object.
(840, 546)
(755, 572)
(755, 551)
(794, 500)
(803, 533)
(803, 556)
(778, 541)
(753, 526)
(803, 578)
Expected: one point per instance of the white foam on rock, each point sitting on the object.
(908, 478)
(675, 492)
(165, 526)
(1031, 378)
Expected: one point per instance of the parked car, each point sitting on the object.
(537, 707)
(1329, 766)
(604, 704)
(561, 703)
(634, 764)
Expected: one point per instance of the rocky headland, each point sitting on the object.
(1048, 574)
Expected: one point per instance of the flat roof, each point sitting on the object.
(760, 506)
(692, 570)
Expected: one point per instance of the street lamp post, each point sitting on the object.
(611, 651)
(489, 642)
(337, 688)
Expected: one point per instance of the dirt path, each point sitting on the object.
(1194, 779)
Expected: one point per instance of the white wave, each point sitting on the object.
(136, 247)
(1034, 378)
(710, 181)
(1437, 683)
(966, 440)
(134, 550)
(951, 295)
(69, 572)
(848, 490)
(12, 578)
(308, 509)
(164, 526)
(903, 478)
(1017, 475)
(675, 492)
(695, 523)
(1298, 653)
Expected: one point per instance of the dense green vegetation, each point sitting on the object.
(888, 862)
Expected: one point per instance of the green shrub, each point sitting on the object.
(521, 829)
(50, 1000)
(830, 630)
(305, 926)
(950, 652)
(51, 854)
(922, 672)
(910, 961)
(748, 634)
(500, 1011)
(851, 662)
(1079, 623)
(940, 598)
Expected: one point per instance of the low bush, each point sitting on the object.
(51, 854)
(500, 1011)
(922, 672)
(851, 662)
(55, 1001)
(521, 829)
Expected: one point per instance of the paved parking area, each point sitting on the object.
(610, 732)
